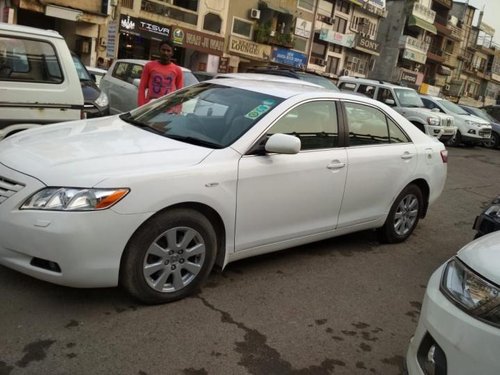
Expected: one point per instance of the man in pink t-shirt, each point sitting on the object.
(160, 77)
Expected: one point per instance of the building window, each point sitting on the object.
(357, 63)
(242, 28)
(306, 4)
(335, 48)
(332, 65)
(212, 22)
(300, 44)
(128, 4)
(343, 6)
(340, 25)
(187, 4)
(319, 47)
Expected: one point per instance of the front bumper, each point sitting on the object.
(469, 346)
(77, 249)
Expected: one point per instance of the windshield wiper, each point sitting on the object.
(127, 117)
(194, 141)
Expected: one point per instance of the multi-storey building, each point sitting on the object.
(405, 38)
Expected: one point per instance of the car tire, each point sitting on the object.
(403, 216)
(456, 140)
(169, 257)
(493, 142)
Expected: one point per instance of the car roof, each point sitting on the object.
(96, 70)
(266, 77)
(143, 62)
(372, 82)
(286, 89)
(29, 30)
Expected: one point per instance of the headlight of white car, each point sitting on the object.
(470, 292)
(73, 199)
(472, 123)
(102, 100)
(433, 121)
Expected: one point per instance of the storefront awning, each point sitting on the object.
(419, 22)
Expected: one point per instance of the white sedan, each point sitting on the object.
(216, 172)
(459, 327)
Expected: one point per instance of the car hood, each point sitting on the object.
(483, 256)
(84, 153)
(474, 119)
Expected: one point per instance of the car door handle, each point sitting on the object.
(406, 155)
(336, 164)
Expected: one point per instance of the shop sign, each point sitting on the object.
(414, 56)
(330, 36)
(408, 76)
(368, 45)
(223, 65)
(303, 28)
(248, 48)
(111, 41)
(202, 42)
(145, 28)
(288, 57)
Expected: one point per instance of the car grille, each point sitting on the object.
(446, 122)
(8, 188)
(485, 133)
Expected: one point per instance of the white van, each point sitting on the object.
(38, 79)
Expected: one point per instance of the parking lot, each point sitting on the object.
(347, 305)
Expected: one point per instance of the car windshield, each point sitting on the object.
(83, 74)
(452, 107)
(322, 81)
(206, 114)
(408, 98)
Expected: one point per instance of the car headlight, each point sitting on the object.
(102, 100)
(73, 199)
(433, 121)
(470, 292)
(493, 210)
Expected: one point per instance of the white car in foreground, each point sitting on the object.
(212, 173)
(459, 327)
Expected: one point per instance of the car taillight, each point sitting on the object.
(83, 115)
(444, 156)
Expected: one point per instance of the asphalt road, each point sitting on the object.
(347, 305)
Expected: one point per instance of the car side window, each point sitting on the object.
(347, 86)
(314, 123)
(367, 90)
(135, 72)
(370, 126)
(29, 60)
(428, 103)
(120, 71)
(385, 96)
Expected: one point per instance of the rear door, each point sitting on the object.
(119, 87)
(382, 160)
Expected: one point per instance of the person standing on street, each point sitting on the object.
(160, 77)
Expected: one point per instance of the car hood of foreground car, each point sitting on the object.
(483, 256)
(84, 153)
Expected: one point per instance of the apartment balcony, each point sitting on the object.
(435, 54)
(446, 3)
(406, 41)
(456, 32)
(441, 24)
(424, 13)
(450, 60)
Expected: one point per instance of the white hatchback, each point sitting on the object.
(212, 173)
(459, 327)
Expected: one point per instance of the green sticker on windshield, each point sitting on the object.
(258, 111)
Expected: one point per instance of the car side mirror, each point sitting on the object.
(390, 102)
(136, 82)
(283, 144)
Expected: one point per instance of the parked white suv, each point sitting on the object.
(472, 130)
(39, 83)
(404, 100)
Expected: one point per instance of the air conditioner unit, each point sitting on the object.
(447, 87)
(345, 72)
(255, 14)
